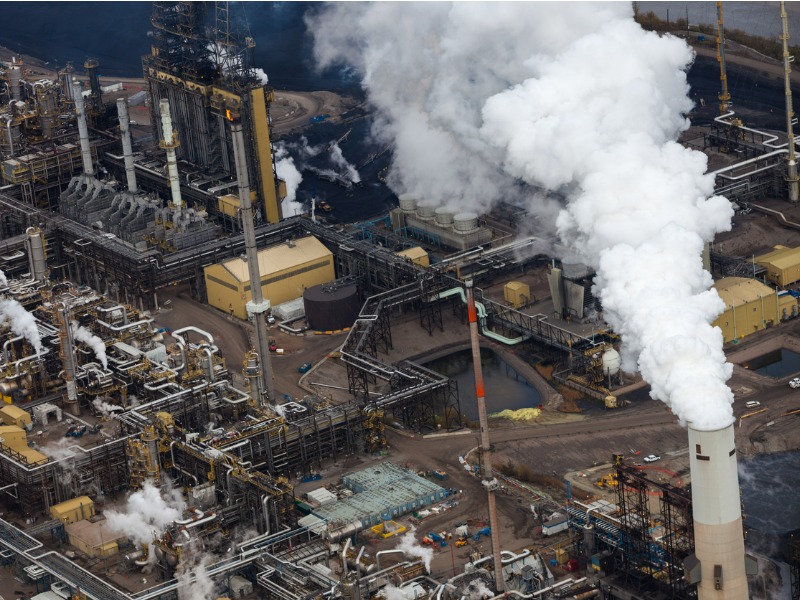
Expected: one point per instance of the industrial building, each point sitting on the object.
(751, 306)
(782, 265)
(287, 270)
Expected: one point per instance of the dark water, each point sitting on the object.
(769, 485)
(779, 363)
(505, 388)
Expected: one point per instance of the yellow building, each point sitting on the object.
(416, 255)
(287, 270)
(72, 511)
(14, 415)
(750, 306)
(15, 438)
(517, 294)
(94, 539)
(782, 265)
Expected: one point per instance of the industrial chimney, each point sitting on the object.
(719, 561)
(791, 171)
(68, 359)
(127, 148)
(83, 130)
(257, 306)
(169, 143)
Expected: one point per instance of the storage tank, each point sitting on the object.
(611, 362)
(574, 270)
(444, 217)
(465, 222)
(426, 210)
(330, 306)
(37, 260)
(408, 204)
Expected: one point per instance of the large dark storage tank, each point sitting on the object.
(331, 306)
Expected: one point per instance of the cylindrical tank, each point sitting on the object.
(330, 307)
(465, 222)
(408, 204)
(36, 256)
(14, 82)
(426, 210)
(574, 270)
(444, 217)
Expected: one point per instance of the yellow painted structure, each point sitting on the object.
(287, 270)
(269, 192)
(517, 294)
(94, 539)
(782, 265)
(15, 440)
(750, 306)
(72, 511)
(14, 415)
(416, 255)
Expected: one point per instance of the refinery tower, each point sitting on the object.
(201, 61)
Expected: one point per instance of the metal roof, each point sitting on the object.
(736, 291)
(279, 258)
(780, 258)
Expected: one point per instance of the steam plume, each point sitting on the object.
(579, 100)
(21, 322)
(411, 547)
(3, 280)
(286, 170)
(95, 343)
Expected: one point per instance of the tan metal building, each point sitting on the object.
(416, 255)
(782, 265)
(72, 511)
(287, 270)
(750, 306)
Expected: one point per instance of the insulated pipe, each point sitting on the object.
(169, 143)
(717, 514)
(486, 473)
(257, 307)
(127, 148)
(265, 507)
(83, 130)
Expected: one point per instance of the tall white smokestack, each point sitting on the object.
(791, 173)
(169, 143)
(83, 130)
(717, 512)
(127, 148)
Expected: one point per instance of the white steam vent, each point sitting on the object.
(581, 101)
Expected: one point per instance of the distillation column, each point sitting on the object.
(791, 172)
(717, 513)
(169, 143)
(83, 130)
(489, 481)
(257, 306)
(724, 96)
(127, 147)
(37, 259)
(68, 360)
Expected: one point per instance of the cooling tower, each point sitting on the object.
(717, 512)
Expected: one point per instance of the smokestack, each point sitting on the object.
(489, 481)
(169, 143)
(257, 306)
(717, 512)
(791, 174)
(68, 359)
(15, 81)
(127, 148)
(83, 130)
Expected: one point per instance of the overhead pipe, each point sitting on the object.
(169, 143)
(83, 129)
(127, 147)
(258, 305)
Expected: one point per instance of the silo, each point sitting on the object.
(466, 222)
(330, 307)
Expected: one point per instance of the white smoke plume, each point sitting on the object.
(489, 101)
(106, 409)
(412, 548)
(391, 592)
(203, 587)
(95, 343)
(21, 322)
(329, 161)
(58, 450)
(477, 590)
(288, 172)
(3, 280)
(145, 512)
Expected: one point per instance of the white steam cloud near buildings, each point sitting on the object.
(480, 99)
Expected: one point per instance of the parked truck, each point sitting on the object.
(439, 474)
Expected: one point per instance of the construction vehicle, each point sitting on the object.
(486, 532)
(439, 474)
(608, 481)
(461, 542)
